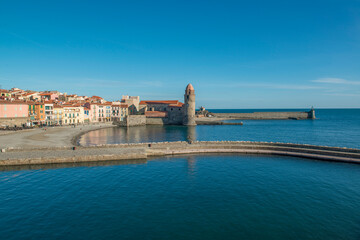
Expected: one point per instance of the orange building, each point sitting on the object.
(37, 112)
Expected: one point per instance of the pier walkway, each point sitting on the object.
(18, 156)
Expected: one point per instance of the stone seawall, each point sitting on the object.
(131, 121)
(11, 122)
(265, 115)
(156, 121)
(13, 157)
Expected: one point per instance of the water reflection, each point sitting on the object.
(334, 127)
(139, 134)
(191, 165)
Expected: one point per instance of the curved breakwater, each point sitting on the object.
(148, 150)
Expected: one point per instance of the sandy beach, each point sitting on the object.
(46, 137)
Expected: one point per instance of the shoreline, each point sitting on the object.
(75, 139)
(60, 136)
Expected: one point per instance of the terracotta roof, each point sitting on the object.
(27, 94)
(4, 90)
(179, 104)
(159, 102)
(12, 102)
(97, 97)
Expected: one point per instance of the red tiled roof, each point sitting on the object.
(12, 102)
(97, 97)
(176, 102)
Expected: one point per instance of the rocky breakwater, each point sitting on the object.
(13, 157)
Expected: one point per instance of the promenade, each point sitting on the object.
(63, 136)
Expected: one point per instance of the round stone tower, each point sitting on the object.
(189, 106)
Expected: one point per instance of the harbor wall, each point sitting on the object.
(132, 120)
(11, 122)
(11, 157)
(265, 115)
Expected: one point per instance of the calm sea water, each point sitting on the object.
(333, 127)
(193, 197)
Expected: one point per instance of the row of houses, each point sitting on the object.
(51, 113)
(54, 108)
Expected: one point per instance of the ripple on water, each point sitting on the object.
(197, 197)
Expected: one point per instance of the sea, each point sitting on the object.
(333, 127)
(211, 196)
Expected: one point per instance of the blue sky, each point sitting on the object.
(237, 54)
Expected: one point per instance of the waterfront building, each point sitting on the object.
(87, 112)
(58, 113)
(93, 111)
(49, 112)
(13, 113)
(132, 102)
(101, 112)
(107, 111)
(171, 111)
(13, 109)
(39, 113)
(119, 111)
(73, 114)
(31, 111)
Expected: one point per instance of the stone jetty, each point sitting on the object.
(79, 154)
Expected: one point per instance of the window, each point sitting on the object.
(41, 111)
(65, 115)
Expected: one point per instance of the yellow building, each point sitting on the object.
(72, 114)
(57, 115)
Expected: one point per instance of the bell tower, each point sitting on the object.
(189, 106)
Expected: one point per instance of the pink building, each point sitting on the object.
(93, 111)
(14, 109)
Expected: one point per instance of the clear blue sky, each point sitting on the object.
(237, 54)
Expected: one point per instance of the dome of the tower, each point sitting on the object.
(190, 87)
